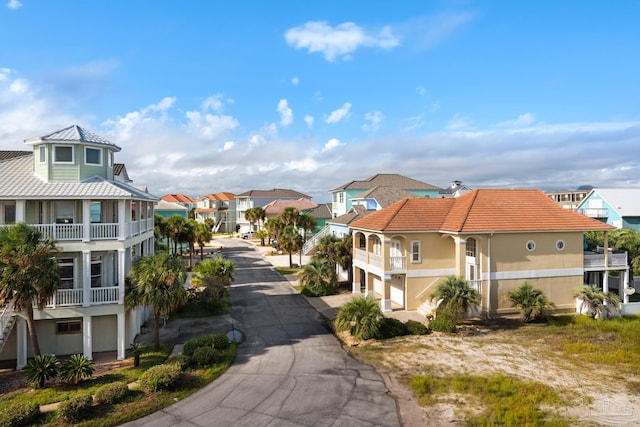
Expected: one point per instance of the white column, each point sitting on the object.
(86, 278)
(623, 285)
(121, 335)
(122, 221)
(87, 339)
(20, 211)
(86, 220)
(21, 341)
(122, 269)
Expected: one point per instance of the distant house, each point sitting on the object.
(322, 214)
(455, 189)
(275, 208)
(254, 198)
(120, 173)
(67, 188)
(619, 207)
(186, 201)
(219, 207)
(168, 209)
(570, 199)
(342, 196)
(495, 239)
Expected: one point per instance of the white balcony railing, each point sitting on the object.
(75, 297)
(597, 260)
(97, 231)
(104, 231)
(361, 255)
(397, 263)
(60, 231)
(594, 213)
(375, 260)
(106, 295)
(65, 298)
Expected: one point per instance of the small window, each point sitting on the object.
(110, 159)
(9, 213)
(64, 211)
(71, 327)
(416, 256)
(531, 246)
(42, 154)
(93, 156)
(65, 268)
(96, 273)
(560, 245)
(63, 154)
(96, 212)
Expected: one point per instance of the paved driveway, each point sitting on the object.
(290, 371)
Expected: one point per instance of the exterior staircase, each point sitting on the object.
(7, 320)
(310, 245)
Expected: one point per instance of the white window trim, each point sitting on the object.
(531, 245)
(419, 251)
(560, 245)
(73, 155)
(73, 265)
(40, 149)
(110, 155)
(99, 150)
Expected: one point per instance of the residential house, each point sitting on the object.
(120, 173)
(342, 196)
(321, 213)
(275, 208)
(254, 198)
(455, 189)
(570, 199)
(221, 208)
(188, 202)
(495, 239)
(66, 189)
(167, 209)
(619, 207)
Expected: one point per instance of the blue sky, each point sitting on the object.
(231, 96)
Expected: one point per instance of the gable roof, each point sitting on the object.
(276, 207)
(626, 201)
(17, 181)
(120, 170)
(480, 211)
(73, 134)
(384, 195)
(321, 211)
(10, 154)
(387, 180)
(355, 213)
(276, 193)
(163, 205)
(218, 196)
(178, 198)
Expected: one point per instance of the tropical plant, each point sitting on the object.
(596, 303)
(161, 231)
(157, 281)
(137, 349)
(262, 234)
(202, 234)
(307, 223)
(19, 414)
(28, 272)
(273, 227)
(188, 236)
(41, 369)
(75, 368)
(456, 296)
(215, 270)
(160, 377)
(175, 229)
(319, 277)
(253, 215)
(290, 216)
(531, 302)
(361, 317)
(290, 241)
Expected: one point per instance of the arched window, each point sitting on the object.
(471, 249)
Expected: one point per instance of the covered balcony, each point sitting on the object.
(394, 264)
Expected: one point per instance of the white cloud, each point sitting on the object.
(339, 114)
(373, 118)
(295, 81)
(286, 113)
(309, 121)
(339, 41)
(210, 125)
(331, 144)
(306, 165)
(458, 123)
(422, 91)
(214, 102)
(19, 86)
(413, 123)
(525, 119)
(14, 4)
(227, 146)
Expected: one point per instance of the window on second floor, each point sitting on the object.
(96, 272)
(66, 270)
(92, 156)
(42, 154)
(377, 245)
(341, 195)
(63, 154)
(416, 255)
(64, 211)
(8, 213)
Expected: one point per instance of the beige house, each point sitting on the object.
(495, 239)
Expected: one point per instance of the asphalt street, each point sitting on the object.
(290, 370)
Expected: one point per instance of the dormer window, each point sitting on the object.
(92, 156)
(63, 154)
(42, 154)
(110, 159)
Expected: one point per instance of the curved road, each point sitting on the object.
(290, 371)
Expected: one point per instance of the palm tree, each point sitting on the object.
(307, 223)
(202, 234)
(290, 216)
(273, 226)
(175, 228)
(188, 236)
(344, 255)
(596, 303)
(361, 316)
(456, 296)
(29, 272)
(251, 215)
(219, 269)
(160, 229)
(262, 234)
(259, 215)
(319, 275)
(533, 304)
(290, 241)
(157, 281)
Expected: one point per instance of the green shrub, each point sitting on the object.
(160, 377)
(361, 316)
(416, 328)
(19, 414)
(76, 368)
(443, 323)
(220, 341)
(180, 360)
(111, 393)
(390, 328)
(75, 409)
(206, 356)
(40, 369)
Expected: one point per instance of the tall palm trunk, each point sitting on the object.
(33, 336)
(156, 335)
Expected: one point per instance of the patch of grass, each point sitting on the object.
(287, 270)
(505, 401)
(298, 288)
(202, 310)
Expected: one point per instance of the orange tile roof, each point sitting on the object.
(480, 211)
(178, 198)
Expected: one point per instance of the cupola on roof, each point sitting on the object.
(73, 134)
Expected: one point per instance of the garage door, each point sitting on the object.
(397, 291)
(377, 286)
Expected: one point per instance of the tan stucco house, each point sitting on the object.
(495, 239)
